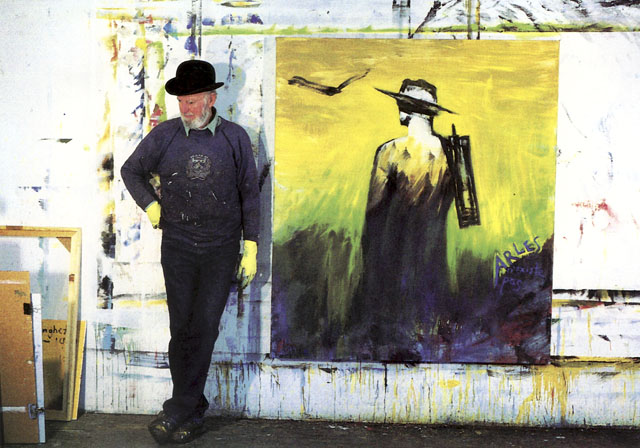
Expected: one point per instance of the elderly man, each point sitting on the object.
(208, 201)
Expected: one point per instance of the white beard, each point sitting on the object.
(202, 121)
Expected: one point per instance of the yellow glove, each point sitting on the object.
(248, 264)
(153, 212)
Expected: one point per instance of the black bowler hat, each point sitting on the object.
(193, 76)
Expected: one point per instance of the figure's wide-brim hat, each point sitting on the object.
(193, 76)
(410, 103)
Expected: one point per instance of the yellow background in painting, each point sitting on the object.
(505, 97)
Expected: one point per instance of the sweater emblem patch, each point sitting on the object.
(198, 167)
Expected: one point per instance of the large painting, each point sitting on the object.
(414, 200)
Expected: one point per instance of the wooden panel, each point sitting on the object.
(17, 365)
(54, 340)
(54, 334)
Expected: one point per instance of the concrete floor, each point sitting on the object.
(122, 431)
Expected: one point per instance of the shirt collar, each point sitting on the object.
(213, 124)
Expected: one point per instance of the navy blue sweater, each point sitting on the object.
(209, 183)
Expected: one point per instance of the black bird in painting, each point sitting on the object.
(325, 90)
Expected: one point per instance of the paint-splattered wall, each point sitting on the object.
(82, 84)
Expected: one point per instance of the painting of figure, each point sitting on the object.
(404, 235)
(395, 238)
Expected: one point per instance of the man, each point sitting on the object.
(404, 237)
(208, 201)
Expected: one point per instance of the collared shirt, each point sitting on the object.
(213, 124)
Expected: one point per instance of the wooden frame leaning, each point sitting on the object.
(71, 239)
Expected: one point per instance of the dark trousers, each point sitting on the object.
(197, 281)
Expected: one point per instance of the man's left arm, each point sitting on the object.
(247, 183)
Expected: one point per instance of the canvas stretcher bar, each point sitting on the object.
(71, 239)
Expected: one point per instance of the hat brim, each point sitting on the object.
(411, 104)
(179, 87)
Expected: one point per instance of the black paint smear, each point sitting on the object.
(109, 238)
(530, 16)
(614, 3)
(324, 89)
(59, 140)
(302, 325)
(430, 15)
(607, 296)
(27, 309)
(107, 166)
(105, 292)
(401, 4)
(264, 174)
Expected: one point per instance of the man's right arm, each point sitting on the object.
(138, 168)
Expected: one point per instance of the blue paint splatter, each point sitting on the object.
(133, 234)
(139, 79)
(170, 29)
(109, 339)
(232, 56)
(255, 19)
(191, 45)
(230, 19)
(34, 188)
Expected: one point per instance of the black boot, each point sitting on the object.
(162, 427)
(189, 430)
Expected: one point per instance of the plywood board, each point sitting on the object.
(54, 346)
(54, 340)
(17, 363)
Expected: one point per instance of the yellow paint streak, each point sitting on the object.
(467, 387)
(395, 400)
(115, 14)
(354, 380)
(412, 402)
(140, 303)
(449, 384)
(141, 42)
(550, 386)
(109, 208)
(104, 143)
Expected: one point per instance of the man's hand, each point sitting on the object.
(153, 212)
(248, 264)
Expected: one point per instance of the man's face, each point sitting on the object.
(195, 109)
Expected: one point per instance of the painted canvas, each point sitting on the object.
(414, 200)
